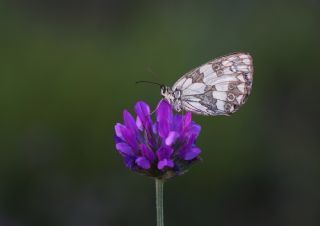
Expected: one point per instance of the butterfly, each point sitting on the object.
(218, 87)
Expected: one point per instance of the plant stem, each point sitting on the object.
(159, 201)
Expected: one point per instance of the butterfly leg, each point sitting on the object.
(154, 110)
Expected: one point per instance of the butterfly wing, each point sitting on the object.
(218, 87)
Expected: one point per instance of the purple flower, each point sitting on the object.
(161, 149)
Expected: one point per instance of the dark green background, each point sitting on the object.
(68, 69)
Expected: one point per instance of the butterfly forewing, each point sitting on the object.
(218, 87)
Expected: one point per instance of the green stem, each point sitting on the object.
(159, 201)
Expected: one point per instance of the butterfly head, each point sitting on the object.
(166, 93)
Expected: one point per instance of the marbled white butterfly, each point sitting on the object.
(218, 87)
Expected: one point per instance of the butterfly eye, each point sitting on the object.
(177, 94)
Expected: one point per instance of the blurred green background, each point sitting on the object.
(68, 69)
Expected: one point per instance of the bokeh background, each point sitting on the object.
(68, 69)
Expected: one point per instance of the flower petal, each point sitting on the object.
(165, 163)
(143, 163)
(177, 122)
(117, 129)
(164, 153)
(187, 118)
(139, 123)
(171, 138)
(129, 121)
(130, 137)
(188, 142)
(155, 128)
(117, 139)
(192, 153)
(129, 162)
(124, 149)
(195, 129)
(143, 112)
(163, 128)
(146, 152)
(164, 117)
(164, 110)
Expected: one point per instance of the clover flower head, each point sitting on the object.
(161, 149)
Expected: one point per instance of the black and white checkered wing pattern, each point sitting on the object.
(218, 87)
